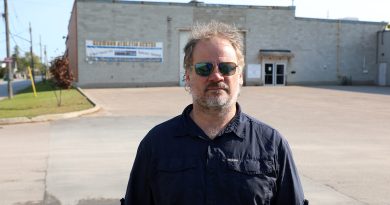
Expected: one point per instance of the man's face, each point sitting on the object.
(216, 90)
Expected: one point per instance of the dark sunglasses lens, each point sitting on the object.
(227, 68)
(203, 69)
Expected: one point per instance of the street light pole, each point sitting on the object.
(32, 55)
(10, 76)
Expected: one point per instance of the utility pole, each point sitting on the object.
(40, 47)
(45, 57)
(46, 67)
(32, 55)
(10, 76)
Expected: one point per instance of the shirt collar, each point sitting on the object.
(190, 128)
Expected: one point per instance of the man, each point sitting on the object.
(213, 153)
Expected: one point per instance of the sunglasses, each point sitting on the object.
(206, 68)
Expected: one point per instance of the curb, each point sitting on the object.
(51, 117)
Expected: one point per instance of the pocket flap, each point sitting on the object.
(250, 166)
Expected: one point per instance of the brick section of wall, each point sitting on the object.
(71, 43)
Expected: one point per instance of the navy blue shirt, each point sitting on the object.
(248, 163)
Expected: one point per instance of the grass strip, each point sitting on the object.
(24, 104)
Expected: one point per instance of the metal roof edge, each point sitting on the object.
(192, 4)
(342, 21)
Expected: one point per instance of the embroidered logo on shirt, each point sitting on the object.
(232, 160)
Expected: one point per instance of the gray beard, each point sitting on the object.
(212, 102)
(216, 103)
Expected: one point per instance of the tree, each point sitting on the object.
(62, 75)
(2, 72)
(17, 59)
(37, 61)
(25, 61)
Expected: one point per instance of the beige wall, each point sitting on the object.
(324, 51)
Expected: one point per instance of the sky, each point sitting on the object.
(49, 18)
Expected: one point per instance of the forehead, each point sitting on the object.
(214, 49)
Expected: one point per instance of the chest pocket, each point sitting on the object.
(176, 180)
(251, 166)
(252, 180)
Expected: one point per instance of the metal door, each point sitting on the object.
(382, 74)
(268, 73)
(274, 74)
(279, 74)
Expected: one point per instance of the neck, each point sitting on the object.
(212, 120)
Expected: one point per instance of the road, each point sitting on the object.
(17, 85)
(339, 137)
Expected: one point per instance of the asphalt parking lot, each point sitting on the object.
(340, 138)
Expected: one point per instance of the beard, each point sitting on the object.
(219, 99)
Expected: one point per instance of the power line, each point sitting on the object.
(20, 37)
(16, 44)
(16, 17)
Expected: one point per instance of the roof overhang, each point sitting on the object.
(275, 53)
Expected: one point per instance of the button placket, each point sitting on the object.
(210, 173)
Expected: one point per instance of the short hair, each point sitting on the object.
(213, 29)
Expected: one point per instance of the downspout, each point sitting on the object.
(338, 50)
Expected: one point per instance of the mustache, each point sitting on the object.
(218, 85)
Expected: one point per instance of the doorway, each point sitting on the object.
(382, 74)
(274, 73)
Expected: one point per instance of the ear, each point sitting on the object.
(241, 78)
(186, 76)
(187, 86)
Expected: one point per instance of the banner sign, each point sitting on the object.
(124, 51)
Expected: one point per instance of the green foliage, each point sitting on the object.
(2, 72)
(17, 58)
(24, 61)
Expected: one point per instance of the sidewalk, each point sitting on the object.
(339, 134)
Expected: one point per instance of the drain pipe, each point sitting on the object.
(338, 50)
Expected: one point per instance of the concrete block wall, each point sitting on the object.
(130, 22)
(383, 40)
(268, 28)
(358, 52)
(324, 50)
(314, 47)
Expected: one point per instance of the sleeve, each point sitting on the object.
(289, 188)
(138, 189)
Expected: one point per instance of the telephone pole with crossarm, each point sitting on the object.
(8, 59)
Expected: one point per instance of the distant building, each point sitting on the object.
(350, 18)
(384, 56)
(128, 44)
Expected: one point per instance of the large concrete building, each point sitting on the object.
(130, 43)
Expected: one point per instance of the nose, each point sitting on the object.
(216, 76)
